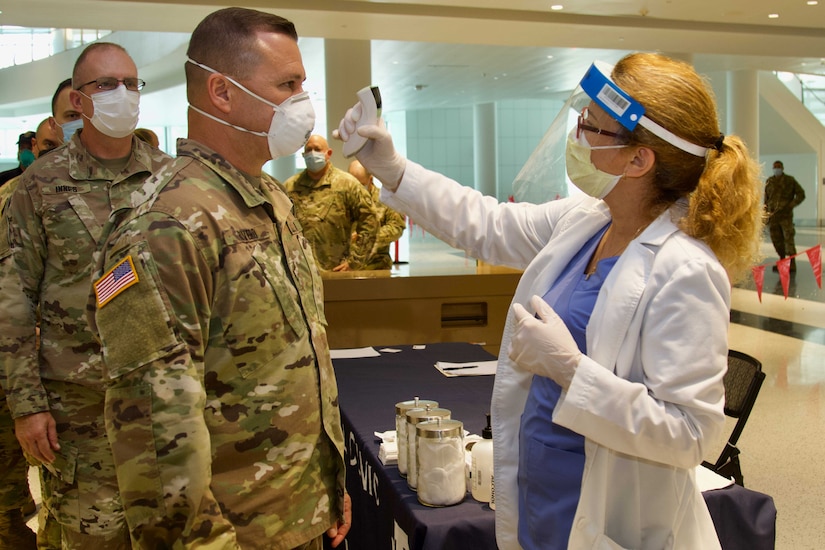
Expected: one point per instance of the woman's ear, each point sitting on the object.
(642, 162)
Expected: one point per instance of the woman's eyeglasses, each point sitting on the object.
(582, 126)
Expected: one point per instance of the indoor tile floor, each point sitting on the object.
(782, 454)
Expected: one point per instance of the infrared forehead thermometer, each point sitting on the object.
(370, 100)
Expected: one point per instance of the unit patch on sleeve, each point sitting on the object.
(118, 279)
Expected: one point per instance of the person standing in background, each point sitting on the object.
(25, 156)
(66, 119)
(15, 496)
(391, 224)
(331, 205)
(55, 391)
(46, 139)
(782, 194)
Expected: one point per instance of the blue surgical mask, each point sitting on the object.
(777, 172)
(315, 161)
(70, 128)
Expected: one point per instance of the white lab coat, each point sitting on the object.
(648, 396)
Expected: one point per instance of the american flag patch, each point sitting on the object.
(118, 279)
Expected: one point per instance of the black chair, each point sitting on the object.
(742, 383)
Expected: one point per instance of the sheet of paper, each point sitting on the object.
(353, 353)
(477, 368)
(708, 480)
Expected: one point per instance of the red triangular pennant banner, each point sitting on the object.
(815, 257)
(759, 279)
(784, 266)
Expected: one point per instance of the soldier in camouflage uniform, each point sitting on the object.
(331, 205)
(56, 218)
(782, 194)
(223, 411)
(14, 479)
(391, 224)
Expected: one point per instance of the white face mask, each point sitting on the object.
(581, 170)
(70, 128)
(315, 161)
(116, 111)
(292, 123)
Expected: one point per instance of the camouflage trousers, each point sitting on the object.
(14, 486)
(14, 470)
(782, 235)
(82, 506)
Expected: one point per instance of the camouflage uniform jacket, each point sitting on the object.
(57, 216)
(782, 194)
(6, 192)
(391, 226)
(14, 487)
(223, 410)
(330, 211)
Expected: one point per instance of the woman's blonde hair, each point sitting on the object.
(724, 189)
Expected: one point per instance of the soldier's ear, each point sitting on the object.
(220, 93)
(76, 100)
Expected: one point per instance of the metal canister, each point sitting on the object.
(414, 417)
(401, 409)
(440, 462)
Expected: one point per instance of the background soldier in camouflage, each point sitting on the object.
(57, 215)
(391, 224)
(331, 205)
(782, 194)
(15, 497)
(223, 409)
(14, 471)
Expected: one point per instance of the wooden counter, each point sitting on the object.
(408, 306)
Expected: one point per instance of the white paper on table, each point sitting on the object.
(353, 353)
(707, 479)
(474, 368)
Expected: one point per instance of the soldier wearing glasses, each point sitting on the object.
(56, 216)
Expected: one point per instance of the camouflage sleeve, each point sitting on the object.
(392, 227)
(798, 194)
(20, 274)
(364, 213)
(153, 327)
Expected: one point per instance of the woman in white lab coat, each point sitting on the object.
(609, 384)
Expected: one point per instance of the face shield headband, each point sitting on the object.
(627, 111)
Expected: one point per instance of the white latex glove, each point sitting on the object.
(544, 346)
(378, 155)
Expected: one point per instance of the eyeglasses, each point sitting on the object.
(586, 127)
(108, 83)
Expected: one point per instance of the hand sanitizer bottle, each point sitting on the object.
(482, 465)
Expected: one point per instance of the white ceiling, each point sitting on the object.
(460, 52)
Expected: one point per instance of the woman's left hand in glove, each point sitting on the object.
(544, 346)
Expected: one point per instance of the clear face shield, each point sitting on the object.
(544, 176)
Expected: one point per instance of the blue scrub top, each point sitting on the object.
(551, 457)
